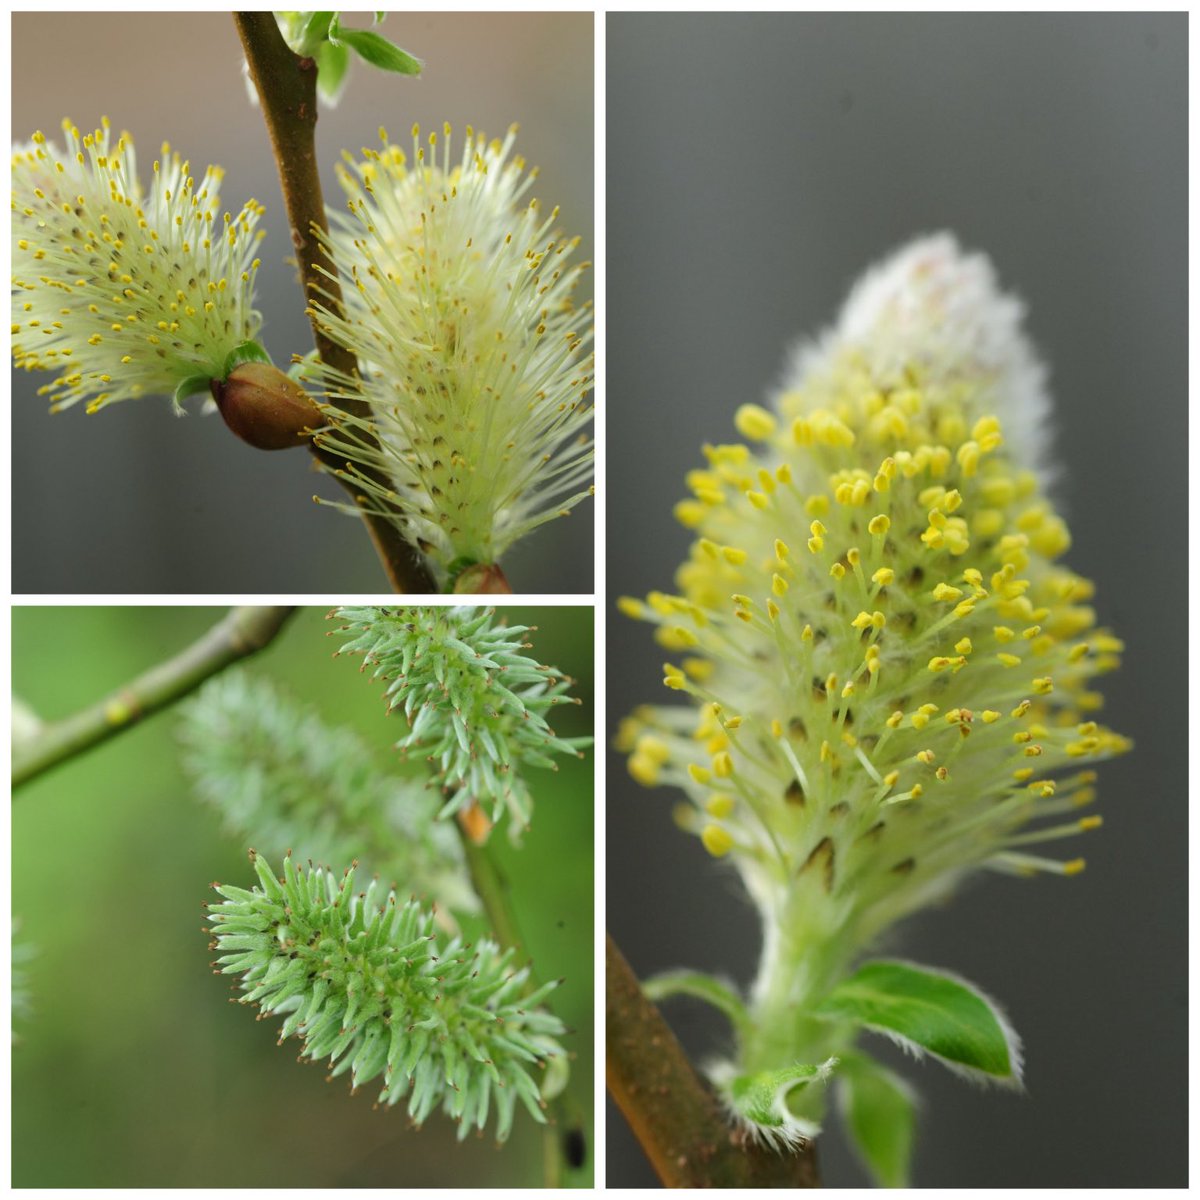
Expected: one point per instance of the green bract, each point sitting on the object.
(475, 704)
(365, 983)
(282, 778)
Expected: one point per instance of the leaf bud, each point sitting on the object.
(265, 407)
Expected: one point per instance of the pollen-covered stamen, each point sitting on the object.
(472, 349)
(873, 589)
(125, 292)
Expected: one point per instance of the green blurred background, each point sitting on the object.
(133, 1069)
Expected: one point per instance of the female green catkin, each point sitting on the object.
(364, 981)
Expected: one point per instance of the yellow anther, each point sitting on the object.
(733, 555)
(1021, 709)
(937, 519)
(963, 645)
(758, 499)
(772, 610)
(698, 773)
(816, 544)
(1074, 867)
(717, 841)
(989, 716)
(926, 756)
(848, 690)
(776, 727)
(862, 621)
(884, 576)
(673, 677)
(940, 663)
(806, 634)
(817, 529)
(968, 458)
(943, 773)
(944, 591)
(754, 422)
(779, 585)
(781, 550)
(893, 722)
(852, 556)
(879, 525)
(1009, 660)
(1022, 737)
(1033, 751)
(1002, 633)
(891, 779)
(964, 608)
(1043, 686)
(837, 570)
(826, 751)
(952, 500)
(831, 682)
(1077, 652)
(722, 765)
(719, 806)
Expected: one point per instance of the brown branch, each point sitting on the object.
(287, 89)
(240, 633)
(675, 1116)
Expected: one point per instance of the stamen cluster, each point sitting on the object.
(458, 305)
(125, 292)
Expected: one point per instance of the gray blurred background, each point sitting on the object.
(135, 500)
(758, 163)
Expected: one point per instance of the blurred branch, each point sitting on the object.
(287, 90)
(240, 633)
(679, 1122)
(566, 1127)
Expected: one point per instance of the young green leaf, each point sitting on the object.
(194, 385)
(248, 351)
(375, 49)
(880, 1111)
(700, 986)
(475, 704)
(364, 981)
(281, 777)
(760, 1101)
(924, 1010)
(332, 63)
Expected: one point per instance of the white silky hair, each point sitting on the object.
(933, 305)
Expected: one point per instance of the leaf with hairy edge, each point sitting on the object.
(366, 983)
(880, 1112)
(759, 1101)
(375, 49)
(700, 986)
(924, 1010)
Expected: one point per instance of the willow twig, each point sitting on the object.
(240, 633)
(674, 1115)
(287, 89)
